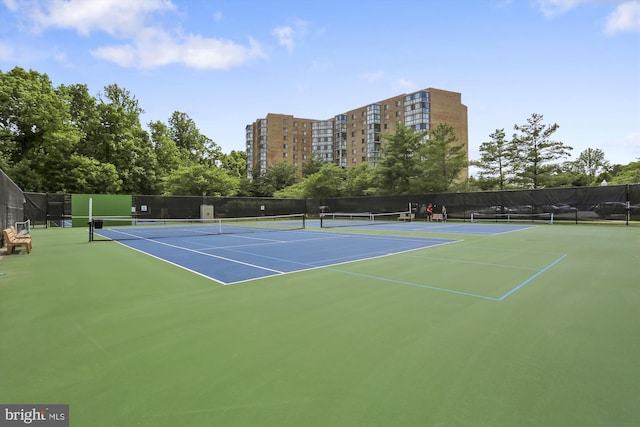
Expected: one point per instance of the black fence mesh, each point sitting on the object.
(613, 202)
(11, 203)
(224, 207)
(578, 204)
(49, 210)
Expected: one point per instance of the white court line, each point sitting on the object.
(215, 256)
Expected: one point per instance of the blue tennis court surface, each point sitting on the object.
(430, 227)
(233, 258)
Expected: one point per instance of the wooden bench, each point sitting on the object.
(12, 240)
(436, 217)
(406, 217)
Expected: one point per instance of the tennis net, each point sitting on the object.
(341, 219)
(514, 217)
(118, 228)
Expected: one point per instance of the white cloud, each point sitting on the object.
(115, 17)
(289, 35)
(625, 18)
(140, 42)
(12, 5)
(552, 8)
(192, 51)
(284, 36)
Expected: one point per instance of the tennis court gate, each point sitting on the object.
(48, 209)
(11, 203)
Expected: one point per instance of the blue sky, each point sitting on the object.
(227, 63)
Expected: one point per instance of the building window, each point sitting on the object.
(285, 146)
(285, 154)
(285, 138)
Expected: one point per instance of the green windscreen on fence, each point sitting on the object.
(102, 205)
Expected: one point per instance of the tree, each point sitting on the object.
(401, 169)
(591, 162)
(533, 152)
(444, 158)
(198, 180)
(628, 174)
(37, 135)
(235, 163)
(327, 182)
(167, 153)
(312, 165)
(280, 175)
(494, 158)
(360, 181)
(90, 176)
(121, 141)
(196, 147)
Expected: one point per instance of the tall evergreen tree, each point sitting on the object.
(534, 153)
(494, 160)
(444, 159)
(401, 169)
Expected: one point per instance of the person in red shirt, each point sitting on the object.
(429, 212)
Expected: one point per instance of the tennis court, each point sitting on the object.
(403, 324)
(233, 258)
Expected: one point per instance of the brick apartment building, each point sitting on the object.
(354, 137)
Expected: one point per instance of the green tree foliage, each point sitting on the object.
(591, 162)
(312, 165)
(235, 163)
(280, 175)
(195, 146)
(122, 142)
(628, 174)
(90, 176)
(327, 182)
(443, 158)
(413, 163)
(199, 179)
(168, 155)
(401, 170)
(533, 153)
(360, 181)
(493, 162)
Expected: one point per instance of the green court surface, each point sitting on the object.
(539, 327)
